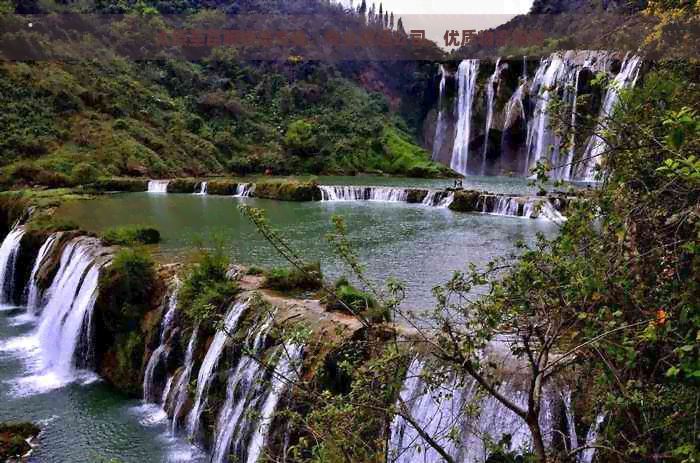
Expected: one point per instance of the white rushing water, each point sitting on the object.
(586, 456)
(201, 188)
(69, 303)
(595, 148)
(515, 206)
(161, 353)
(9, 250)
(158, 186)
(441, 124)
(34, 296)
(285, 371)
(211, 359)
(490, 93)
(245, 386)
(362, 193)
(243, 190)
(180, 391)
(443, 414)
(466, 81)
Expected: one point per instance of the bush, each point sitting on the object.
(130, 235)
(207, 291)
(360, 302)
(126, 289)
(84, 173)
(294, 279)
(253, 270)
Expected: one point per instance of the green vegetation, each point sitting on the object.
(222, 187)
(207, 292)
(182, 185)
(13, 439)
(130, 235)
(464, 201)
(288, 190)
(360, 302)
(119, 184)
(70, 122)
(308, 278)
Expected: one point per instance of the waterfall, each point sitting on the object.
(201, 188)
(211, 359)
(183, 381)
(447, 199)
(442, 413)
(158, 186)
(285, 371)
(547, 78)
(490, 93)
(70, 300)
(162, 351)
(513, 104)
(34, 296)
(570, 420)
(596, 145)
(586, 456)
(441, 125)
(245, 384)
(466, 77)
(8, 257)
(243, 190)
(362, 193)
(568, 164)
(515, 206)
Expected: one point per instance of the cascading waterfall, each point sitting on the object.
(285, 371)
(515, 206)
(539, 137)
(514, 106)
(586, 456)
(243, 190)
(466, 78)
(211, 359)
(362, 193)
(595, 148)
(201, 189)
(440, 418)
(71, 298)
(490, 93)
(441, 125)
(245, 384)
(8, 257)
(34, 295)
(570, 420)
(162, 351)
(183, 381)
(158, 186)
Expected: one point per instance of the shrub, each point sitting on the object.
(130, 235)
(360, 302)
(294, 279)
(207, 290)
(253, 270)
(84, 173)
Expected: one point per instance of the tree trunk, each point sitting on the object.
(537, 442)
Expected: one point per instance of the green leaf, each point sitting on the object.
(672, 372)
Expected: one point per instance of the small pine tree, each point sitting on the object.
(391, 21)
(399, 27)
(363, 8)
(386, 20)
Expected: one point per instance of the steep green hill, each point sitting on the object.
(68, 121)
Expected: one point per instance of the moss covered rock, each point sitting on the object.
(465, 201)
(416, 196)
(288, 190)
(222, 187)
(119, 184)
(182, 185)
(13, 439)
